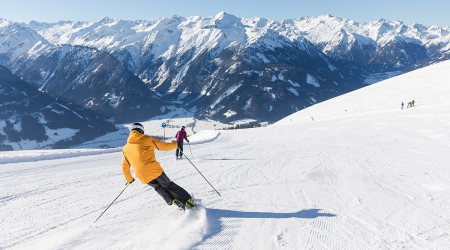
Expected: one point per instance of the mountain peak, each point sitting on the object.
(328, 16)
(221, 15)
(224, 16)
(222, 20)
(106, 19)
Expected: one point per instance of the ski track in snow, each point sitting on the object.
(371, 180)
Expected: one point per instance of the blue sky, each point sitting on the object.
(433, 12)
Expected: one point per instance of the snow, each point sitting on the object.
(248, 104)
(53, 136)
(312, 80)
(262, 57)
(294, 91)
(228, 92)
(377, 77)
(374, 178)
(229, 113)
(273, 78)
(341, 31)
(294, 84)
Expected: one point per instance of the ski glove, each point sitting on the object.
(130, 181)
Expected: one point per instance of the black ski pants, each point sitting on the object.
(169, 190)
(180, 146)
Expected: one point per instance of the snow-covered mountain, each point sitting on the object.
(339, 38)
(391, 44)
(92, 79)
(225, 67)
(18, 40)
(30, 119)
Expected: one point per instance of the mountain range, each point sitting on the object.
(221, 67)
(30, 119)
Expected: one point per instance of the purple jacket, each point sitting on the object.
(181, 135)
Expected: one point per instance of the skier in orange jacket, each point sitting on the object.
(139, 153)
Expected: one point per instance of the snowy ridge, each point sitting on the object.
(390, 93)
(169, 37)
(335, 31)
(16, 40)
(7, 157)
(204, 136)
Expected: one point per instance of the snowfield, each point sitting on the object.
(363, 175)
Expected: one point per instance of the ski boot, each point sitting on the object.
(178, 204)
(190, 203)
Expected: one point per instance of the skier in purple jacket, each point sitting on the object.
(180, 136)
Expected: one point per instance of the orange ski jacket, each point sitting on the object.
(139, 153)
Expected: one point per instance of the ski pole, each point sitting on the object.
(112, 201)
(200, 172)
(190, 150)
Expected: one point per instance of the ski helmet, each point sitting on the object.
(137, 126)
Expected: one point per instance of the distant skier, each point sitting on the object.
(139, 153)
(402, 105)
(180, 137)
(409, 105)
(412, 103)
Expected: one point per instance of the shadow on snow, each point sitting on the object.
(215, 215)
(305, 214)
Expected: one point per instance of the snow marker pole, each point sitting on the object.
(190, 150)
(112, 201)
(308, 113)
(199, 172)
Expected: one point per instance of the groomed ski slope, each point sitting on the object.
(375, 178)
